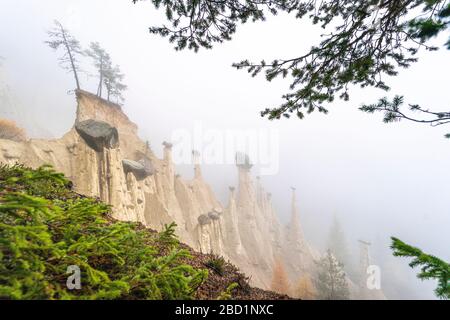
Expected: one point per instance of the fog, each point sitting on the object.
(379, 179)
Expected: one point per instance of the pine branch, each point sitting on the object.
(365, 42)
(430, 266)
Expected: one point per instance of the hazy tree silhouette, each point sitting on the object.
(10, 131)
(338, 244)
(280, 282)
(305, 288)
(60, 38)
(331, 281)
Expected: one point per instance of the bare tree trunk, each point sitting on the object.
(69, 52)
(100, 84)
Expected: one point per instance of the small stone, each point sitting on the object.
(167, 145)
(204, 219)
(141, 170)
(214, 215)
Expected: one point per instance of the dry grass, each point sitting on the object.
(10, 131)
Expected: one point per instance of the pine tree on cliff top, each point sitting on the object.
(112, 79)
(61, 38)
(102, 61)
(109, 76)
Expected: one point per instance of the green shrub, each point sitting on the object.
(217, 264)
(45, 227)
(227, 293)
(167, 236)
(42, 182)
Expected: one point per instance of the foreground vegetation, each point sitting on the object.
(49, 232)
(45, 228)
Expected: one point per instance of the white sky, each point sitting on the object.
(380, 179)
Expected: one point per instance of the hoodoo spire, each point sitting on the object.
(364, 260)
(246, 193)
(167, 151)
(243, 161)
(168, 164)
(196, 161)
(294, 211)
(231, 223)
(295, 232)
(232, 189)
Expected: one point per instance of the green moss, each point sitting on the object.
(45, 227)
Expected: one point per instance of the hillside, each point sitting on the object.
(104, 157)
(47, 227)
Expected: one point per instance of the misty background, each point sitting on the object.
(380, 180)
